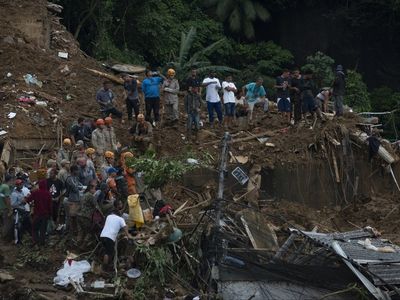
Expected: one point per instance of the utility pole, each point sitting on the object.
(215, 245)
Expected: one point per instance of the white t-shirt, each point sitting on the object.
(229, 96)
(212, 90)
(112, 227)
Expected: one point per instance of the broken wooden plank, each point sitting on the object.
(335, 167)
(268, 133)
(249, 234)
(113, 78)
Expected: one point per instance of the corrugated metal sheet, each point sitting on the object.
(388, 273)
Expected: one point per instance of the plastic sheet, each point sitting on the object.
(71, 269)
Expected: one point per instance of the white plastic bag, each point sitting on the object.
(74, 271)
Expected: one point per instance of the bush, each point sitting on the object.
(357, 95)
(384, 99)
(322, 67)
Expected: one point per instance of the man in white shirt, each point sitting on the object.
(213, 85)
(229, 89)
(114, 223)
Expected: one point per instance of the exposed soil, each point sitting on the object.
(27, 48)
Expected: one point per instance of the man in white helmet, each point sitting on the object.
(170, 88)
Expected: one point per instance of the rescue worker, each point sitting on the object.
(170, 88)
(112, 184)
(65, 151)
(129, 173)
(86, 174)
(108, 163)
(90, 153)
(98, 141)
(109, 135)
(79, 151)
(142, 134)
(64, 171)
(84, 217)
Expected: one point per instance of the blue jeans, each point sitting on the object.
(211, 106)
(193, 117)
(229, 109)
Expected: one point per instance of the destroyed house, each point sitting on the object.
(309, 265)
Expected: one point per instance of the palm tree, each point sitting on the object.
(240, 14)
(183, 63)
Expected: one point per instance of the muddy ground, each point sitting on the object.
(29, 42)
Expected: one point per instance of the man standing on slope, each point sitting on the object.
(212, 85)
(339, 86)
(151, 91)
(229, 100)
(171, 90)
(106, 99)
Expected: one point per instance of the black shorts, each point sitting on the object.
(108, 245)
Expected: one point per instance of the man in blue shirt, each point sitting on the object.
(255, 93)
(105, 98)
(151, 91)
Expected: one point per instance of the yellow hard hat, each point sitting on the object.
(171, 72)
(108, 154)
(67, 141)
(90, 151)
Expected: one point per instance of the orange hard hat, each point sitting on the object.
(127, 154)
(99, 122)
(108, 121)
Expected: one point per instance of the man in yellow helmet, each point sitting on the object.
(108, 163)
(170, 88)
(65, 152)
(142, 133)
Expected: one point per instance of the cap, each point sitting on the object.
(111, 170)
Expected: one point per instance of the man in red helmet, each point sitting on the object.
(109, 135)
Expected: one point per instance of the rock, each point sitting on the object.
(20, 41)
(5, 276)
(9, 40)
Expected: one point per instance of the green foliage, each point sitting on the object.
(322, 67)
(265, 59)
(384, 99)
(157, 262)
(357, 95)
(183, 63)
(157, 172)
(240, 15)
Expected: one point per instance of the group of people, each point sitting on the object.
(89, 181)
(83, 192)
(296, 96)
